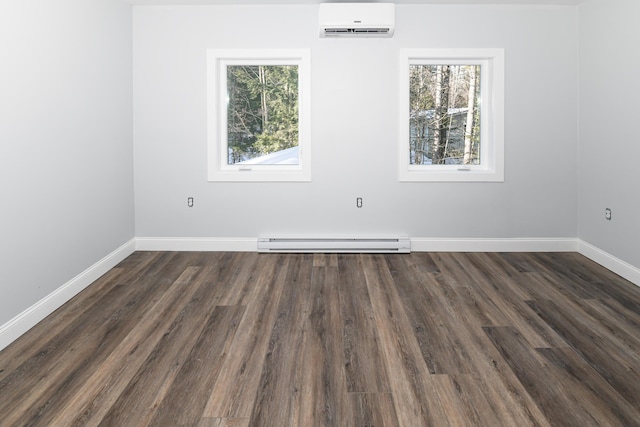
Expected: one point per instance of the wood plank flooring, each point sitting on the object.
(245, 339)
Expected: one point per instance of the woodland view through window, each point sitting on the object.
(444, 114)
(262, 114)
(454, 127)
(258, 115)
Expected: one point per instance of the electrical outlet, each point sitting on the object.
(190, 202)
(607, 214)
(359, 202)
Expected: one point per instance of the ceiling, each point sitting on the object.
(267, 2)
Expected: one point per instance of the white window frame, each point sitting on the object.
(218, 167)
(491, 167)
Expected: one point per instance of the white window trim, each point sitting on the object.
(492, 116)
(218, 169)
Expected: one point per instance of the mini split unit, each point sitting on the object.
(356, 19)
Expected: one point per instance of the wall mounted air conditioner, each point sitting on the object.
(356, 19)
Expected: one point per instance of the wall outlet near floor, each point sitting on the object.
(358, 202)
(607, 214)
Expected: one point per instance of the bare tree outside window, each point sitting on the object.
(451, 115)
(444, 114)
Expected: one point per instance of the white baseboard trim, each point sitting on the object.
(494, 245)
(419, 244)
(206, 244)
(618, 266)
(24, 321)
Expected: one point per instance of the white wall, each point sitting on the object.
(354, 126)
(66, 156)
(609, 151)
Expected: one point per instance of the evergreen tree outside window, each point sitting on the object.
(258, 115)
(451, 115)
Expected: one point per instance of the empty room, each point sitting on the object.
(319, 213)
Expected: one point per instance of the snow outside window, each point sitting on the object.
(258, 115)
(451, 115)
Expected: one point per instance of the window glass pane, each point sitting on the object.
(262, 114)
(444, 121)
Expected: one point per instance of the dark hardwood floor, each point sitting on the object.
(246, 339)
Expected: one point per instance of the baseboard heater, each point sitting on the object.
(335, 245)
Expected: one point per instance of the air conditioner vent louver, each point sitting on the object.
(335, 245)
(354, 31)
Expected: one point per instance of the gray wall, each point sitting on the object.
(355, 126)
(66, 163)
(609, 174)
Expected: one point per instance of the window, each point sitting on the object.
(258, 115)
(451, 115)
